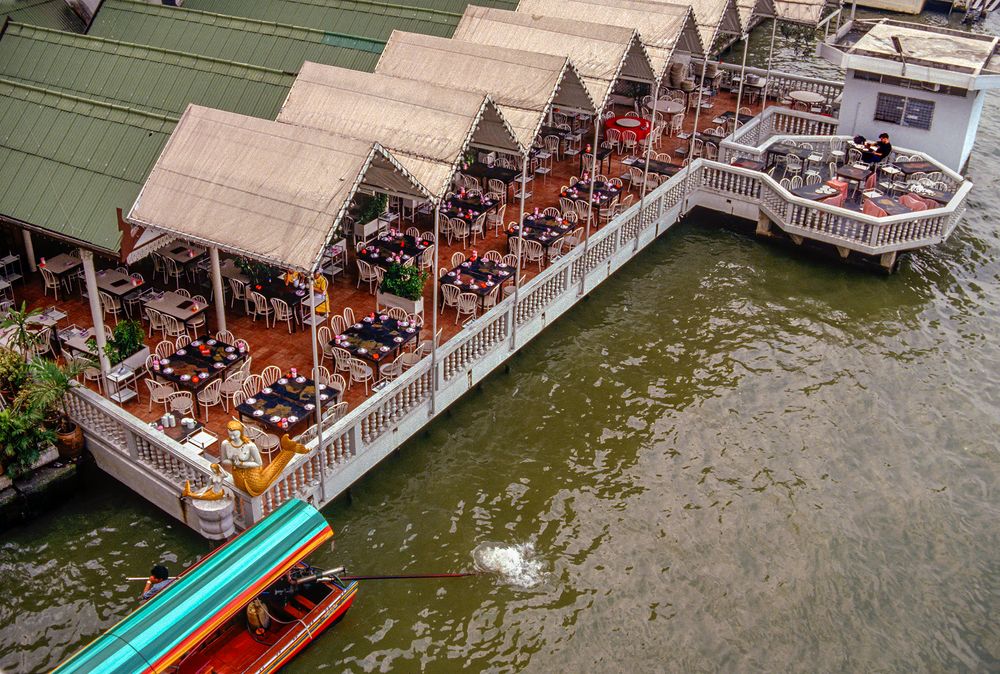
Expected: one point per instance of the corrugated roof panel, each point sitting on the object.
(458, 6)
(283, 46)
(49, 13)
(89, 155)
(137, 76)
(367, 18)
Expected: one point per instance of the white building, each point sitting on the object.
(922, 85)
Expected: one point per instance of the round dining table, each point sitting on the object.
(641, 127)
(668, 107)
(807, 97)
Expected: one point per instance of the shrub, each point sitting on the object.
(127, 338)
(404, 281)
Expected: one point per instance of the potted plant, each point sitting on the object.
(127, 345)
(45, 393)
(13, 373)
(23, 338)
(371, 211)
(402, 286)
(254, 271)
(23, 436)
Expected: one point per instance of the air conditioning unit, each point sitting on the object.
(932, 86)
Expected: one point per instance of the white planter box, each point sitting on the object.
(137, 360)
(409, 306)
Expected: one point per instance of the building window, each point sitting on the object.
(904, 111)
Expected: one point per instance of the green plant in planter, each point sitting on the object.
(13, 372)
(22, 437)
(404, 281)
(46, 389)
(373, 208)
(23, 339)
(127, 338)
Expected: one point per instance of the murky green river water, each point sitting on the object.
(733, 457)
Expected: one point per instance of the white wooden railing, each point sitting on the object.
(747, 140)
(780, 83)
(157, 467)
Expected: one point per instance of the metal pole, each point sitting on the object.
(520, 224)
(649, 144)
(694, 132)
(770, 55)
(590, 199)
(315, 378)
(434, 307)
(743, 77)
(220, 298)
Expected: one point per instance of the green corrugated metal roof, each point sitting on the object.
(48, 13)
(272, 45)
(368, 18)
(149, 78)
(66, 163)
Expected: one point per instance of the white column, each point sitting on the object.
(29, 250)
(315, 373)
(96, 312)
(220, 298)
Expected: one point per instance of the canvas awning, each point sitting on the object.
(749, 9)
(163, 630)
(426, 127)
(524, 84)
(663, 29)
(261, 189)
(602, 53)
(809, 12)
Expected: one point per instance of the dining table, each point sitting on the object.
(393, 248)
(377, 338)
(889, 205)
(61, 264)
(784, 149)
(855, 173)
(478, 276)
(724, 117)
(466, 207)
(915, 166)
(666, 106)
(183, 253)
(287, 403)
(484, 172)
(118, 284)
(662, 168)
(806, 97)
(815, 191)
(176, 305)
(942, 197)
(747, 163)
(640, 127)
(603, 192)
(545, 229)
(195, 366)
(603, 154)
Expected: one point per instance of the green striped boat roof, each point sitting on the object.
(209, 593)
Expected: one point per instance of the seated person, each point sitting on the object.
(878, 152)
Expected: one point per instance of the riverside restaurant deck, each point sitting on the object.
(223, 242)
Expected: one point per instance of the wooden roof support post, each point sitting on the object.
(220, 298)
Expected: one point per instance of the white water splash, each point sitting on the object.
(514, 564)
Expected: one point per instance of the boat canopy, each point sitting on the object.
(160, 632)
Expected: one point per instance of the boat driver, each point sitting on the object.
(159, 578)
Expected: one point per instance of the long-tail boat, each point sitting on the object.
(249, 606)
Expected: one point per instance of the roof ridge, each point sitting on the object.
(161, 50)
(163, 10)
(89, 101)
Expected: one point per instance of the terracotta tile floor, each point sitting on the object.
(275, 345)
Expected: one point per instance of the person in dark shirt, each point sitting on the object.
(159, 578)
(879, 151)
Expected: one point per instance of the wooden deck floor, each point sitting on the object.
(275, 346)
